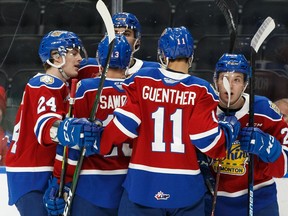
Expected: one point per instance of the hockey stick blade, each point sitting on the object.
(230, 22)
(105, 14)
(106, 17)
(265, 29)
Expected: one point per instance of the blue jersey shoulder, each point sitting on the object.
(169, 80)
(88, 61)
(91, 84)
(47, 80)
(266, 107)
(86, 85)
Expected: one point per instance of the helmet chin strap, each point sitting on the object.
(59, 67)
(64, 75)
(136, 46)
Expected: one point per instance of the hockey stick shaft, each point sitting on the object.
(227, 87)
(262, 33)
(222, 5)
(216, 186)
(106, 17)
(92, 118)
(64, 157)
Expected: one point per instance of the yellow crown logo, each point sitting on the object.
(234, 163)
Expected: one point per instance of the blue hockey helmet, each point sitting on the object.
(232, 63)
(175, 43)
(127, 20)
(121, 55)
(59, 41)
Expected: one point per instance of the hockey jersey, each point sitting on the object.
(101, 177)
(233, 183)
(30, 158)
(141, 64)
(167, 114)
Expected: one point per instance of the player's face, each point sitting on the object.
(236, 85)
(73, 59)
(129, 34)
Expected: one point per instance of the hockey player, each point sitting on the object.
(168, 114)
(99, 188)
(30, 158)
(266, 141)
(128, 25)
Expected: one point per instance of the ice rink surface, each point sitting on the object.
(6, 210)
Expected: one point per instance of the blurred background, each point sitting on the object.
(24, 22)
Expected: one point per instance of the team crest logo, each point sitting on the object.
(56, 33)
(274, 107)
(47, 79)
(232, 62)
(235, 161)
(162, 196)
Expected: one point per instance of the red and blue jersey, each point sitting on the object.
(30, 158)
(101, 177)
(168, 114)
(232, 191)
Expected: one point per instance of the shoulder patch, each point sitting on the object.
(47, 79)
(274, 107)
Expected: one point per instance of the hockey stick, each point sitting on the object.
(222, 5)
(64, 157)
(226, 85)
(262, 33)
(106, 17)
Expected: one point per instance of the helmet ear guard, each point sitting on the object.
(55, 56)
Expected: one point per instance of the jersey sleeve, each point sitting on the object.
(125, 122)
(47, 96)
(204, 130)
